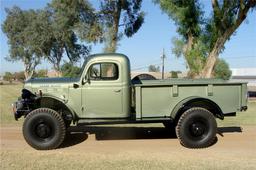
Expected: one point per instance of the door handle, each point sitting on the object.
(117, 90)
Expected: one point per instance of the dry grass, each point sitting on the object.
(178, 158)
(131, 160)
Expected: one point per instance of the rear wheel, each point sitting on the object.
(196, 128)
(44, 129)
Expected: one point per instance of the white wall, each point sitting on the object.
(244, 71)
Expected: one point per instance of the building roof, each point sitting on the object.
(244, 77)
(243, 71)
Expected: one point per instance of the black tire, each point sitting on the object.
(44, 129)
(196, 128)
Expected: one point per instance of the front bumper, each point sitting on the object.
(25, 104)
(19, 109)
(17, 113)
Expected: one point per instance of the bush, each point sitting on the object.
(8, 76)
(174, 74)
(221, 70)
(69, 70)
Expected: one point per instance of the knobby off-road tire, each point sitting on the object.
(44, 129)
(196, 128)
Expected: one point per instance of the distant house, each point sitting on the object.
(157, 75)
(52, 73)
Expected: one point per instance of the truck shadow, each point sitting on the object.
(76, 135)
(124, 133)
(230, 129)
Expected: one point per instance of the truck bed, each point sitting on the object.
(160, 97)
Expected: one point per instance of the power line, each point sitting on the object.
(149, 63)
(141, 68)
(238, 57)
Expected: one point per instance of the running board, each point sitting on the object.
(82, 122)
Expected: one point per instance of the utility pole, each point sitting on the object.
(163, 58)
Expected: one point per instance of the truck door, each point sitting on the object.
(102, 94)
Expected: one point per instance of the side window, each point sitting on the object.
(104, 71)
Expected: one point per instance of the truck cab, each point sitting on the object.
(104, 87)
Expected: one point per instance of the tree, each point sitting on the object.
(120, 17)
(20, 76)
(16, 28)
(8, 76)
(69, 70)
(203, 39)
(226, 19)
(51, 33)
(153, 68)
(65, 19)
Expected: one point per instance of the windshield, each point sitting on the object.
(82, 68)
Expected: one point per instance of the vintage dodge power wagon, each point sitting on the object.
(105, 94)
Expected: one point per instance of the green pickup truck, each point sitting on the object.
(105, 94)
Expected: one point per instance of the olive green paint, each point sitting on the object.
(152, 98)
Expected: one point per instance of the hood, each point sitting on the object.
(57, 87)
(53, 80)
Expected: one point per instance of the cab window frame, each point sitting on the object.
(104, 78)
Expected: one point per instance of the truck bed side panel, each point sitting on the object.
(159, 101)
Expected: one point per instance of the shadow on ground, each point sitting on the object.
(230, 129)
(76, 135)
(125, 133)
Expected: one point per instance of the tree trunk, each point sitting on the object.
(57, 69)
(188, 48)
(213, 55)
(111, 47)
(28, 71)
(210, 63)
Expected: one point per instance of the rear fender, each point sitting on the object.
(195, 101)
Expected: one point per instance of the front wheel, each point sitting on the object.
(44, 129)
(196, 128)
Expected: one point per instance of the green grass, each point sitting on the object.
(10, 93)
(241, 118)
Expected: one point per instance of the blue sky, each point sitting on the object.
(146, 46)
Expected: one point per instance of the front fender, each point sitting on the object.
(62, 100)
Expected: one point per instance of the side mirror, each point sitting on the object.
(75, 85)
